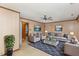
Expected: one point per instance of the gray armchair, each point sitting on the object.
(35, 37)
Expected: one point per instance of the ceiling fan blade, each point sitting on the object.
(50, 18)
(42, 18)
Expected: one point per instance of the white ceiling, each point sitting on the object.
(34, 11)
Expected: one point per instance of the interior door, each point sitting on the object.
(24, 31)
(27, 30)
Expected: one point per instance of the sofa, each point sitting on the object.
(71, 49)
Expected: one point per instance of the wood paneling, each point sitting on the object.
(32, 24)
(68, 26)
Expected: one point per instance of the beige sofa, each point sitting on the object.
(71, 49)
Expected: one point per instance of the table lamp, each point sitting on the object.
(72, 33)
(45, 31)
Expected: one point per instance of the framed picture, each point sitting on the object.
(37, 28)
(58, 28)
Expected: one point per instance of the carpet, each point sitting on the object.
(52, 50)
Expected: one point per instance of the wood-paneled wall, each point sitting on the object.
(68, 26)
(32, 24)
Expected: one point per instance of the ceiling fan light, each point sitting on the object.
(45, 17)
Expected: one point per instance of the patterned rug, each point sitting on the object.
(52, 50)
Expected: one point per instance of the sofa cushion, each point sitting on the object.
(58, 34)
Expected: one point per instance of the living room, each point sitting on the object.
(54, 31)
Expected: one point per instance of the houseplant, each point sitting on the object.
(9, 43)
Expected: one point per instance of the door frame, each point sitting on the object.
(21, 42)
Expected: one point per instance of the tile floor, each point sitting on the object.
(29, 51)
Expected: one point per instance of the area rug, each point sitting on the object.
(52, 50)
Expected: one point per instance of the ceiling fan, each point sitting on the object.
(46, 18)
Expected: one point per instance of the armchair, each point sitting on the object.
(34, 37)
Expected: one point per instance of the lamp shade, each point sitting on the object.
(71, 33)
(46, 31)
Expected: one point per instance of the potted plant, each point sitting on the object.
(9, 43)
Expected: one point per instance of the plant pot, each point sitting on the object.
(9, 52)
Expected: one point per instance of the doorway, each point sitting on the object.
(25, 33)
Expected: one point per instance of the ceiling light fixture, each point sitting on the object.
(46, 18)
